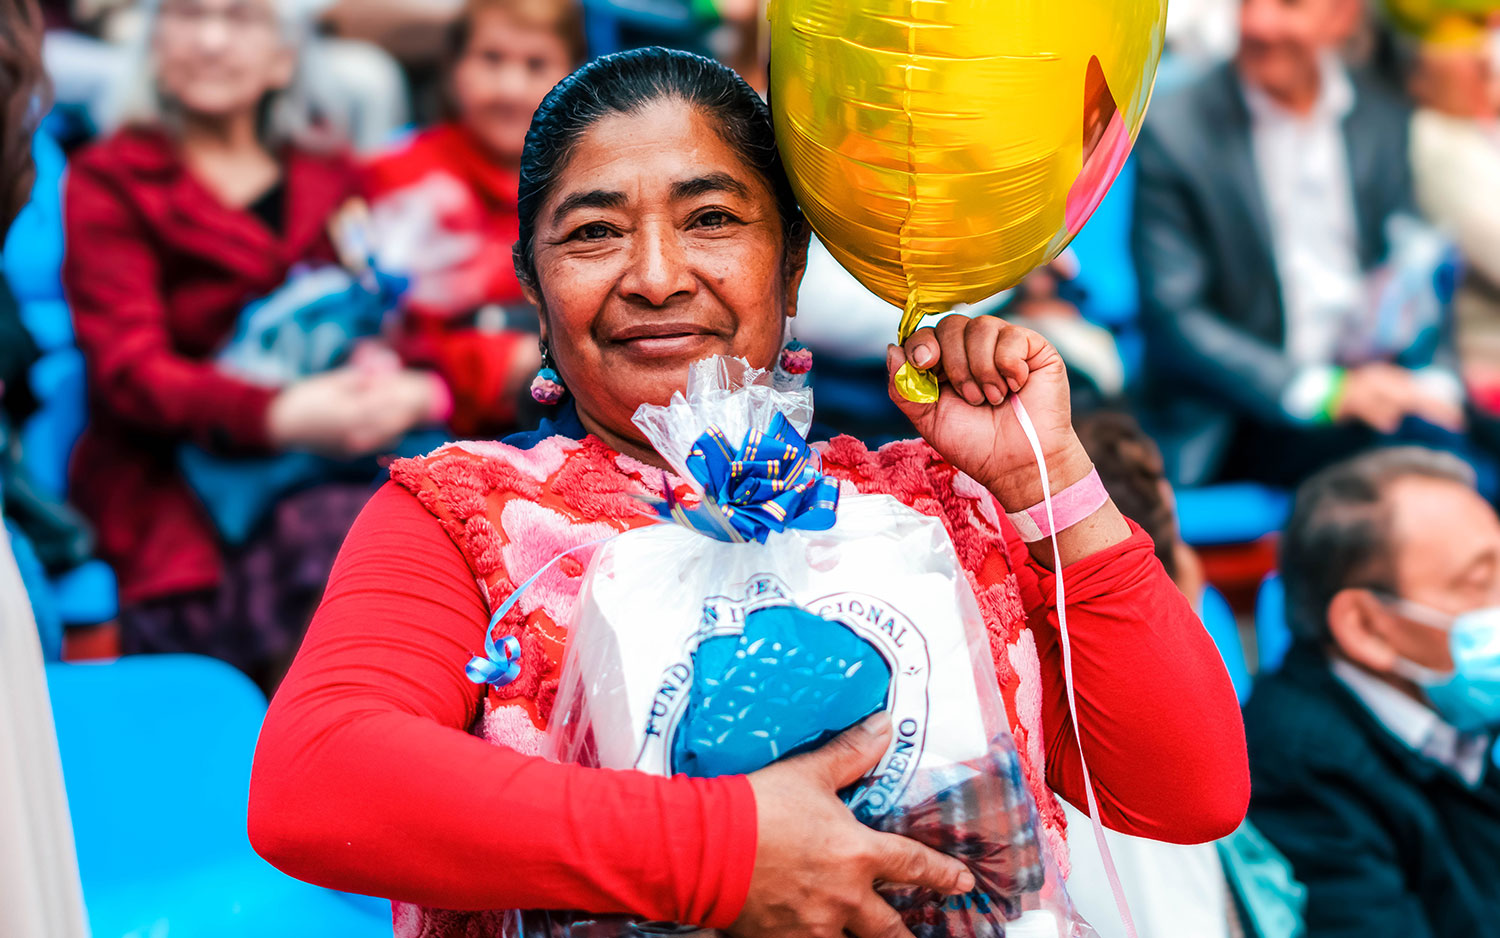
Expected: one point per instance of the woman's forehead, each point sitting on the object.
(664, 151)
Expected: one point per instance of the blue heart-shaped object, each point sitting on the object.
(788, 683)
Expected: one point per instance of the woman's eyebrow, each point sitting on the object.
(594, 198)
(712, 182)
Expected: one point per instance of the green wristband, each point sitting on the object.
(1329, 409)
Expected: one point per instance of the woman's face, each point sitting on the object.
(218, 58)
(505, 72)
(657, 247)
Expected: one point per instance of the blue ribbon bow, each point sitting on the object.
(771, 483)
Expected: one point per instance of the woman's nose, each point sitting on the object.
(659, 268)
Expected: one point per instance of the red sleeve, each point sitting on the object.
(1161, 725)
(366, 780)
(112, 276)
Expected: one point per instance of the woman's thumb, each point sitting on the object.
(847, 757)
(895, 358)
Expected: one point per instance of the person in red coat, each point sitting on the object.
(219, 182)
(445, 202)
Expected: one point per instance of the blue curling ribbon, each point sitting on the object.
(771, 483)
(501, 662)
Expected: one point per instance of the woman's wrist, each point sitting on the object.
(1021, 488)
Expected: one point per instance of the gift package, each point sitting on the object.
(778, 611)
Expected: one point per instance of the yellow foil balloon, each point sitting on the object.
(943, 149)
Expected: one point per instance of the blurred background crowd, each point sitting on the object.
(268, 247)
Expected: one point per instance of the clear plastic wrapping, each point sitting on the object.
(703, 657)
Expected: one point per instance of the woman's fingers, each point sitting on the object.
(876, 919)
(951, 333)
(983, 358)
(1012, 353)
(979, 346)
(902, 860)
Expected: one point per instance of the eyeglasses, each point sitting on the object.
(238, 15)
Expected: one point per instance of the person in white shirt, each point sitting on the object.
(1371, 749)
(1455, 155)
(1287, 288)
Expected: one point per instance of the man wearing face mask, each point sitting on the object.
(1372, 751)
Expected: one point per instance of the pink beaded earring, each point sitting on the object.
(547, 387)
(796, 358)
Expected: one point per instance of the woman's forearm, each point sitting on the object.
(374, 801)
(366, 777)
(1159, 718)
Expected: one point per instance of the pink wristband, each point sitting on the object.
(1069, 507)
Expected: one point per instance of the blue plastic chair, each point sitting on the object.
(1273, 637)
(49, 625)
(1106, 271)
(614, 25)
(156, 754)
(32, 264)
(33, 251)
(1219, 620)
(1232, 513)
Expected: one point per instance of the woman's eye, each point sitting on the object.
(713, 218)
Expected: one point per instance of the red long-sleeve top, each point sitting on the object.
(367, 780)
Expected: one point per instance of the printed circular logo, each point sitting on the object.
(763, 678)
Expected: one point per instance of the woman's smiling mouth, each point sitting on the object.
(665, 339)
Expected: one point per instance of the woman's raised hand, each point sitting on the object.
(815, 865)
(979, 363)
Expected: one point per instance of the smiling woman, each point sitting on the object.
(657, 263)
(657, 227)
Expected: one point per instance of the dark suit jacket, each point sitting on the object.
(1210, 301)
(1387, 842)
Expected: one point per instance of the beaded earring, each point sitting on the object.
(547, 386)
(796, 358)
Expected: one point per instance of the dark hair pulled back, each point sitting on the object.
(626, 82)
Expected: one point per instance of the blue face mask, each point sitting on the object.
(1468, 697)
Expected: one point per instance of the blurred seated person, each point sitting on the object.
(220, 181)
(414, 31)
(1455, 153)
(444, 207)
(1371, 750)
(88, 54)
(1270, 191)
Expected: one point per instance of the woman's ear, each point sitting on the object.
(1358, 624)
(796, 266)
